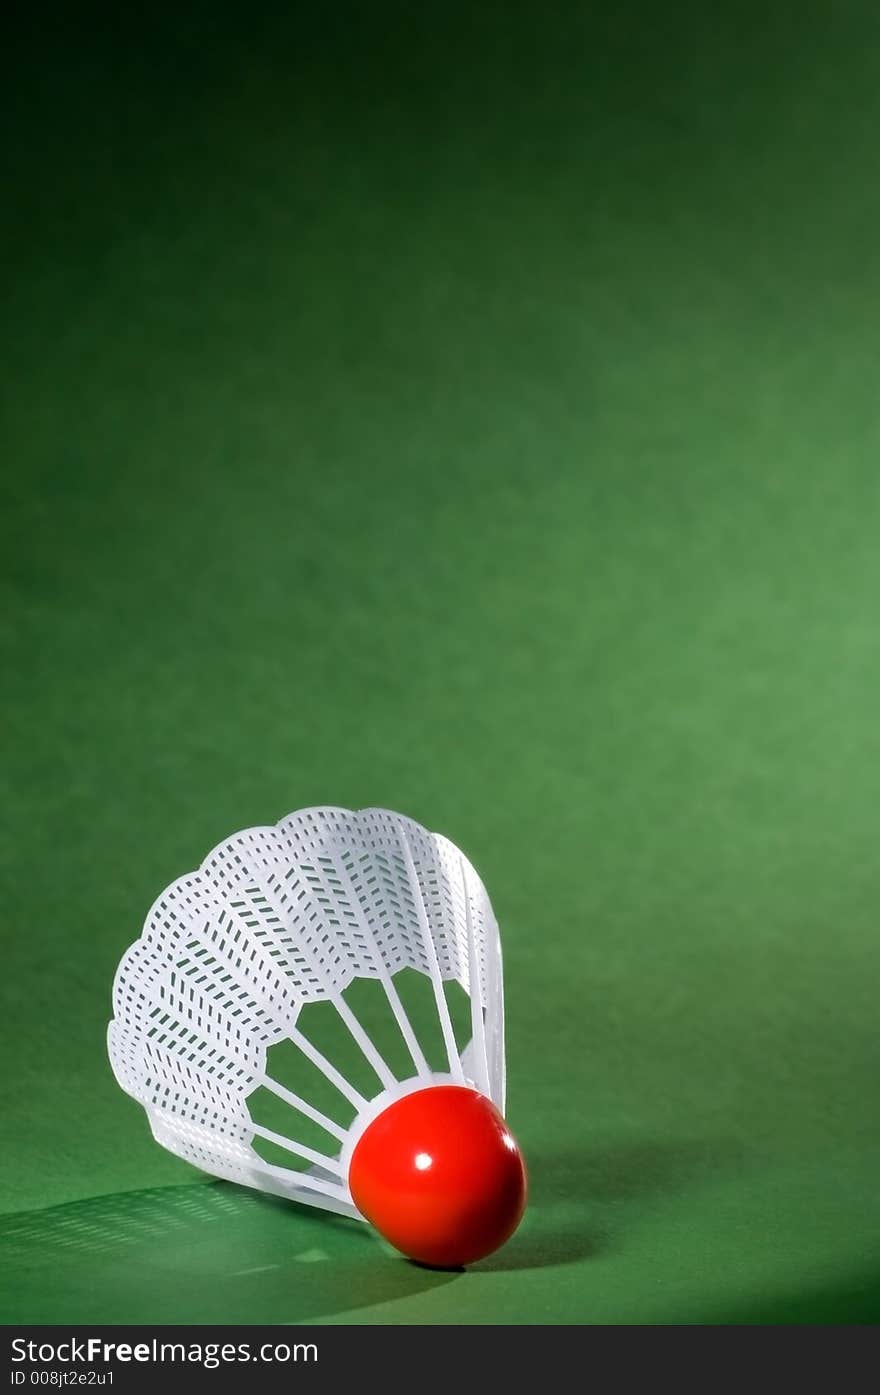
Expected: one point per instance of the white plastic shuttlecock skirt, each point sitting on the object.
(275, 919)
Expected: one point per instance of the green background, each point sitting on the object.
(474, 411)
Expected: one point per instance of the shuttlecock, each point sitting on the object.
(230, 962)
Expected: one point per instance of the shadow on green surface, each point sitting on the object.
(574, 1197)
(539, 1246)
(855, 1302)
(210, 1253)
(625, 1171)
(214, 1253)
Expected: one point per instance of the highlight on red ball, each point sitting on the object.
(440, 1175)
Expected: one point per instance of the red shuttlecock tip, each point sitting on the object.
(440, 1175)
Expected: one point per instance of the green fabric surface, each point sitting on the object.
(474, 412)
